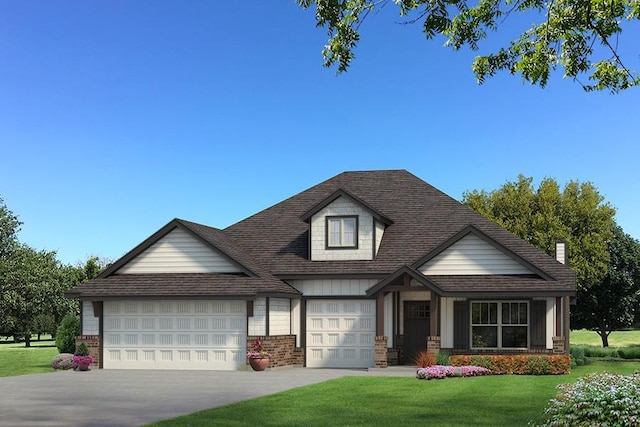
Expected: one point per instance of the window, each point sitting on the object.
(342, 232)
(499, 324)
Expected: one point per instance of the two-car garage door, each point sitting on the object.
(340, 333)
(175, 334)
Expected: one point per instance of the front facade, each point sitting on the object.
(363, 270)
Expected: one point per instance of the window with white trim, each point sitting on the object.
(342, 232)
(499, 324)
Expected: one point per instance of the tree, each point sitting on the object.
(580, 36)
(577, 214)
(610, 304)
(9, 227)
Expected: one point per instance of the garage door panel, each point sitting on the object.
(175, 335)
(340, 333)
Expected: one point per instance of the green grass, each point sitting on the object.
(15, 359)
(616, 339)
(506, 400)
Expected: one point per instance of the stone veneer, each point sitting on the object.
(282, 348)
(93, 343)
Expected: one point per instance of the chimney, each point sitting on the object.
(561, 251)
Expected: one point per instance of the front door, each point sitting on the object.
(416, 329)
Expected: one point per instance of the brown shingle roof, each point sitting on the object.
(273, 244)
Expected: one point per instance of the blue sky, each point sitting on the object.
(117, 116)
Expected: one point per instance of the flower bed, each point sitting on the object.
(440, 372)
(517, 364)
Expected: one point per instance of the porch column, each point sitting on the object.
(380, 315)
(434, 315)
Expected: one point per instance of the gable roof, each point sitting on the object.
(272, 245)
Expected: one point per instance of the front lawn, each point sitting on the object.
(15, 359)
(505, 400)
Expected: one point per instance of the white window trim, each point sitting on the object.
(499, 324)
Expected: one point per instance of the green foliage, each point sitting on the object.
(581, 37)
(66, 334)
(629, 352)
(611, 303)
(577, 355)
(442, 358)
(597, 399)
(82, 350)
(9, 227)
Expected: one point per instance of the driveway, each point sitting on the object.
(132, 398)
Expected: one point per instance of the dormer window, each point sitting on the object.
(342, 232)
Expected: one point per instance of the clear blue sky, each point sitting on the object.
(117, 116)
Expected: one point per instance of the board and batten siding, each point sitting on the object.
(446, 321)
(179, 252)
(342, 206)
(90, 323)
(279, 316)
(472, 255)
(333, 287)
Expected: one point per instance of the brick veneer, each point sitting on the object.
(558, 345)
(93, 343)
(381, 352)
(282, 348)
(433, 344)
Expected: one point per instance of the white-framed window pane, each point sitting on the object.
(349, 232)
(334, 232)
(485, 336)
(514, 336)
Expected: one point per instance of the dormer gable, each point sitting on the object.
(176, 248)
(344, 227)
(471, 252)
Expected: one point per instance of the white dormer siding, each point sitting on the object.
(342, 206)
(472, 255)
(379, 232)
(179, 252)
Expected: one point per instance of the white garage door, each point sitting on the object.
(174, 334)
(340, 333)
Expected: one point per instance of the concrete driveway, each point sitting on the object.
(132, 398)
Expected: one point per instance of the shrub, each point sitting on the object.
(596, 399)
(630, 352)
(63, 361)
(517, 364)
(82, 350)
(440, 372)
(66, 334)
(424, 359)
(442, 358)
(593, 351)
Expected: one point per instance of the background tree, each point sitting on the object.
(542, 216)
(610, 304)
(582, 36)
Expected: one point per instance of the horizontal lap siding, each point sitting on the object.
(179, 252)
(472, 255)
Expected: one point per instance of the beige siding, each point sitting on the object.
(279, 316)
(296, 326)
(333, 287)
(472, 255)
(90, 323)
(258, 322)
(388, 319)
(551, 321)
(379, 233)
(339, 207)
(179, 252)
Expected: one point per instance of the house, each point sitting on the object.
(362, 270)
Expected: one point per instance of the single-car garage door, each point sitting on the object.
(340, 333)
(174, 334)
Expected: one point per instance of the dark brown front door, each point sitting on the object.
(416, 329)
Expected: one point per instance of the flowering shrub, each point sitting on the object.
(600, 399)
(82, 360)
(517, 364)
(258, 350)
(440, 372)
(63, 361)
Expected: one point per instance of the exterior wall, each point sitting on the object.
(333, 287)
(342, 206)
(279, 316)
(282, 348)
(90, 323)
(93, 343)
(179, 252)
(472, 255)
(257, 324)
(381, 352)
(388, 319)
(551, 322)
(379, 232)
(446, 321)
